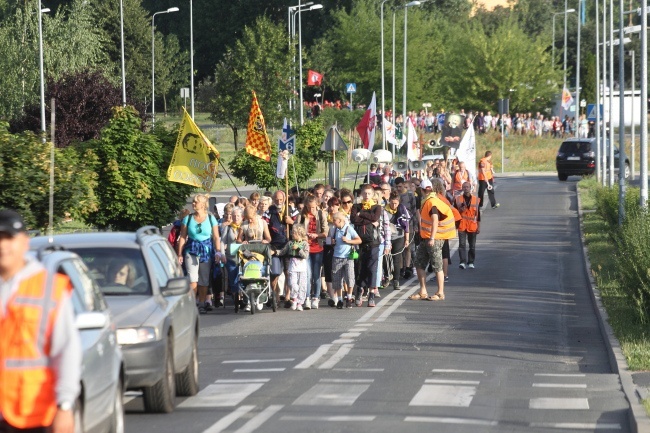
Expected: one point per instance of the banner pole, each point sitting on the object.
(286, 197)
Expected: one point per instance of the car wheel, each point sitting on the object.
(117, 419)
(627, 171)
(187, 383)
(159, 398)
(562, 176)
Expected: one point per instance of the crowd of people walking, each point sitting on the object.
(341, 246)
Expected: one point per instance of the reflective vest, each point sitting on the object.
(446, 226)
(487, 165)
(453, 209)
(27, 380)
(459, 179)
(469, 221)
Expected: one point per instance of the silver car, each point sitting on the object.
(153, 306)
(100, 405)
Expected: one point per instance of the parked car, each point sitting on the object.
(154, 307)
(577, 156)
(100, 405)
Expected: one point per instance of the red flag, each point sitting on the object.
(314, 78)
(366, 127)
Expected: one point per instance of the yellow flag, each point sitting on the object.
(195, 159)
(257, 140)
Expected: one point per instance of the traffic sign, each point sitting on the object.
(591, 112)
(351, 88)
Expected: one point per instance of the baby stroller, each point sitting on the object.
(254, 264)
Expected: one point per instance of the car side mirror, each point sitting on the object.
(176, 287)
(90, 320)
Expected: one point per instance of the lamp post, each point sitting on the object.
(293, 11)
(383, 88)
(40, 67)
(122, 50)
(577, 114)
(191, 61)
(598, 119)
(404, 111)
(643, 199)
(299, 12)
(603, 146)
(611, 94)
(566, 13)
(153, 65)
(554, 15)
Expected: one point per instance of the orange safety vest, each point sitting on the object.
(460, 179)
(469, 221)
(446, 226)
(488, 169)
(457, 216)
(27, 380)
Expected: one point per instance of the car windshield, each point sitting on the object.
(118, 271)
(575, 147)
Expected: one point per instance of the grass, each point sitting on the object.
(633, 336)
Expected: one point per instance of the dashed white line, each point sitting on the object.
(350, 335)
(442, 370)
(342, 418)
(577, 425)
(225, 422)
(559, 403)
(560, 374)
(257, 370)
(255, 361)
(262, 380)
(343, 341)
(453, 382)
(347, 380)
(560, 385)
(448, 420)
(339, 355)
(259, 419)
(311, 359)
(359, 370)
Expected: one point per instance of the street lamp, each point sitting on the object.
(298, 12)
(643, 199)
(554, 15)
(153, 65)
(292, 35)
(191, 61)
(42, 11)
(577, 114)
(122, 49)
(566, 13)
(383, 91)
(406, 6)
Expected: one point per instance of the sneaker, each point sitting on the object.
(395, 285)
(247, 307)
(208, 306)
(462, 266)
(496, 206)
(314, 304)
(377, 295)
(287, 304)
(299, 308)
(202, 310)
(220, 303)
(471, 266)
(307, 305)
(371, 303)
(446, 279)
(339, 304)
(348, 303)
(294, 306)
(331, 303)
(358, 302)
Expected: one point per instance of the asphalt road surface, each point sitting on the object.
(515, 347)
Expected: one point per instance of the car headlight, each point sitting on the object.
(136, 335)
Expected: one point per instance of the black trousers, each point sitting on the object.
(482, 187)
(465, 239)
(397, 245)
(6, 428)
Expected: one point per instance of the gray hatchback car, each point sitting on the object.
(154, 308)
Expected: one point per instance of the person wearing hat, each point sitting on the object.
(40, 348)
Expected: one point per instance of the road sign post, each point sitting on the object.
(351, 88)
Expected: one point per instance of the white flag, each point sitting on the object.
(281, 169)
(389, 131)
(412, 142)
(467, 149)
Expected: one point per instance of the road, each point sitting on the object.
(515, 347)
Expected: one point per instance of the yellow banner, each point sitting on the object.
(195, 159)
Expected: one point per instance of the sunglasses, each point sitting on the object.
(199, 228)
(346, 202)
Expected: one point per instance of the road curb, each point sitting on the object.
(637, 416)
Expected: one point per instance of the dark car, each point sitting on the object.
(577, 156)
(99, 408)
(154, 309)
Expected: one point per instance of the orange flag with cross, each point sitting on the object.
(257, 140)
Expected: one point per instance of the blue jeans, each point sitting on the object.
(314, 265)
(233, 276)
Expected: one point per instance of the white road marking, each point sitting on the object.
(560, 385)
(255, 361)
(311, 359)
(453, 382)
(559, 403)
(343, 341)
(257, 370)
(442, 370)
(346, 380)
(366, 317)
(447, 420)
(560, 375)
(444, 395)
(344, 418)
(225, 422)
(363, 324)
(350, 334)
(357, 329)
(260, 380)
(577, 425)
(359, 370)
(221, 395)
(259, 419)
(338, 356)
(394, 307)
(331, 394)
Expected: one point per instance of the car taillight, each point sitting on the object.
(591, 165)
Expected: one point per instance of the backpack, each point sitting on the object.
(368, 233)
(173, 235)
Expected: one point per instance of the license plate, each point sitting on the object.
(573, 158)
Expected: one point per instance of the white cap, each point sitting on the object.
(426, 183)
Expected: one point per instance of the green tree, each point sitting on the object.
(132, 170)
(258, 61)
(25, 179)
(476, 69)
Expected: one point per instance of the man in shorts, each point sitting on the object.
(343, 239)
(437, 224)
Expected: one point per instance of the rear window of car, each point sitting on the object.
(118, 271)
(575, 146)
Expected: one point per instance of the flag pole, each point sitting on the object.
(286, 196)
(227, 174)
